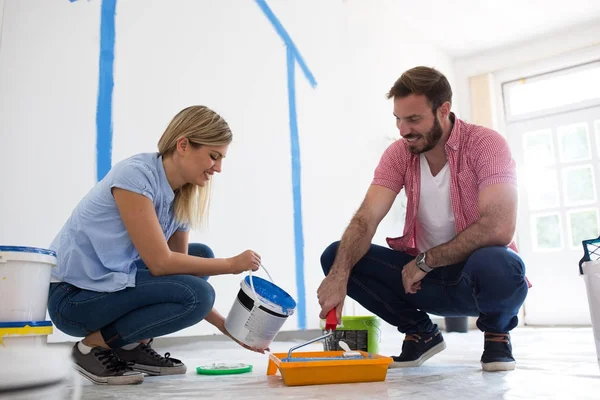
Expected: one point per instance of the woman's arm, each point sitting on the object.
(141, 222)
(216, 320)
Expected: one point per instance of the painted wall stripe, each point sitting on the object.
(293, 56)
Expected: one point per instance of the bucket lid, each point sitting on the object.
(272, 296)
(25, 249)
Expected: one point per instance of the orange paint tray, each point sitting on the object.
(372, 368)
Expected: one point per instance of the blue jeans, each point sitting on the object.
(490, 285)
(156, 306)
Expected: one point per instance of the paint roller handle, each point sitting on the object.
(331, 320)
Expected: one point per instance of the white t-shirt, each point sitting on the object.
(435, 220)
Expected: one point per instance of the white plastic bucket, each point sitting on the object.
(24, 334)
(24, 282)
(591, 276)
(258, 312)
(45, 373)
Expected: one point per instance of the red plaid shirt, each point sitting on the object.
(477, 157)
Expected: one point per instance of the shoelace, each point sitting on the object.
(111, 362)
(497, 337)
(166, 358)
(412, 338)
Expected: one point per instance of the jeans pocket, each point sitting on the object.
(84, 296)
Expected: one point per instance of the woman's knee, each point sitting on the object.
(201, 297)
(200, 250)
(328, 256)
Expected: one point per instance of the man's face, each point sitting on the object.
(417, 123)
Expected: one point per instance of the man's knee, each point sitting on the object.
(495, 261)
(328, 256)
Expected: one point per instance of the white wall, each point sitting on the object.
(224, 54)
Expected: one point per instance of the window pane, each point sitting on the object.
(538, 147)
(542, 188)
(579, 185)
(535, 94)
(574, 142)
(597, 129)
(583, 225)
(546, 229)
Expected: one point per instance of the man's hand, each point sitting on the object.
(411, 277)
(331, 294)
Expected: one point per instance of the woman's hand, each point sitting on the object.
(247, 261)
(218, 321)
(245, 345)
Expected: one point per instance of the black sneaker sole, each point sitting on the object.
(130, 379)
(159, 371)
(419, 361)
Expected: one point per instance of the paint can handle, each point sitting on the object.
(256, 300)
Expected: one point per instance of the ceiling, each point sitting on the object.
(465, 27)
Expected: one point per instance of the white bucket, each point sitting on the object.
(45, 373)
(258, 312)
(24, 334)
(591, 276)
(24, 282)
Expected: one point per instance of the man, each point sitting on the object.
(457, 256)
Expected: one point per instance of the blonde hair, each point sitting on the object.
(201, 126)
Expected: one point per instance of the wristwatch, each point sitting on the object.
(420, 260)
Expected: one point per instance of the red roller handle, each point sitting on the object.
(331, 320)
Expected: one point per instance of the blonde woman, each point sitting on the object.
(126, 272)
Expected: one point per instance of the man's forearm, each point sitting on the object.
(478, 235)
(353, 246)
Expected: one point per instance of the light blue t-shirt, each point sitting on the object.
(93, 248)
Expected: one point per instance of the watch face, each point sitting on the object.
(420, 257)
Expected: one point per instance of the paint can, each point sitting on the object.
(359, 332)
(258, 312)
(24, 282)
(24, 334)
(38, 373)
(591, 277)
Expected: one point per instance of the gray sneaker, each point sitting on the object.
(103, 367)
(144, 359)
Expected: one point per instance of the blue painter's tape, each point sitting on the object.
(293, 55)
(296, 189)
(287, 40)
(104, 128)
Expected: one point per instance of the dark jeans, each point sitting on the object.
(490, 285)
(156, 306)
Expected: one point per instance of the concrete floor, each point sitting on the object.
(552, 363)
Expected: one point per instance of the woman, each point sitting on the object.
(125, 272)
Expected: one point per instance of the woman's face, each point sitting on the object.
(200, 162)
